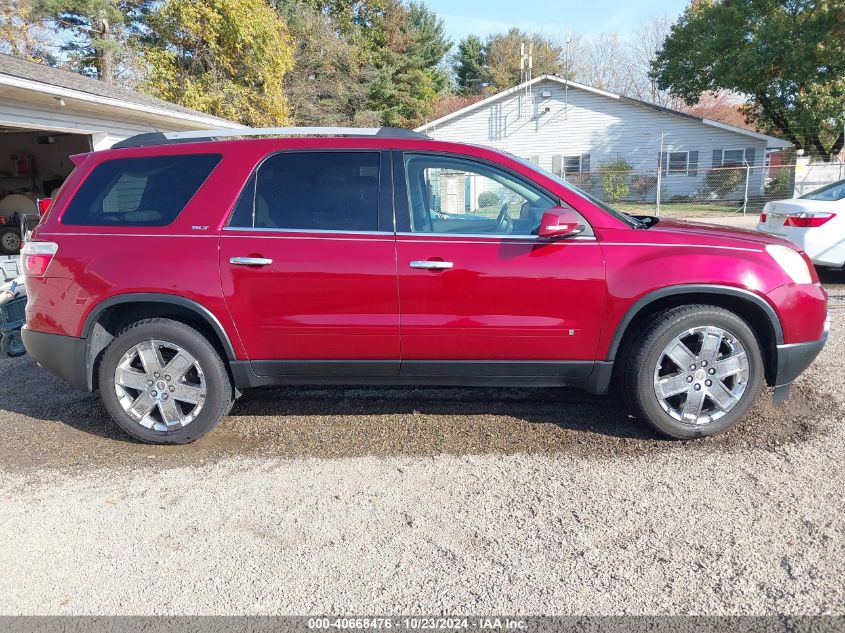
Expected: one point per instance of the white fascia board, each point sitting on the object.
(78, 95)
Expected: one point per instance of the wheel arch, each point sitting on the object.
(109, 316)
(753, 308)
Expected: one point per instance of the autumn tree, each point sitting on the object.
(24, 32)
(503, 57)
(228, 58)
(787, 56)
(328, 82)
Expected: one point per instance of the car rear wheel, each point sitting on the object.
(693, 371)
(163, 382)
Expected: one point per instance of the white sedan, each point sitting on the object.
(814, 221)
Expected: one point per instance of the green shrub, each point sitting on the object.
(782, 186)
(488, 199)
(613, 176)
(724, 180)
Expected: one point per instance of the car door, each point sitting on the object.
(308, 265)
(479, 291)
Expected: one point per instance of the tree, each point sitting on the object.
(787, 56)
(225, 57)
(96, 33)
(603, 63)
(23, 32)
(328, 82)
(470, 66)
(642, 49)
(428, 44)
(407, 53)
(503, 52)
(725, 107)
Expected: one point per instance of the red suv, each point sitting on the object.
(174, 270)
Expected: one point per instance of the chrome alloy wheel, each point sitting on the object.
(701, 375)
(160, 385)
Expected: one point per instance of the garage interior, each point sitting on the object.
(33, 164)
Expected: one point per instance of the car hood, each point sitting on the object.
(713, 233)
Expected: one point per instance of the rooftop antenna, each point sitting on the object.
(526, 69)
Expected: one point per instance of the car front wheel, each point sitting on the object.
(693, 371)
(163, 382)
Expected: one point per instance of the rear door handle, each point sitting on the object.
(250, 261)
(432, 265)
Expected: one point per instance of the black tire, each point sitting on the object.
(10, 240)
(645, 349)
(11, 344)
(219, 391)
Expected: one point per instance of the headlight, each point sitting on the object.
(791, 262)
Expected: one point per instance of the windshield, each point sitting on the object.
(834, 191)
(624, 217)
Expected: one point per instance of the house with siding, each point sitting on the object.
(571, 129)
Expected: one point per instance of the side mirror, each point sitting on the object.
(559, 222)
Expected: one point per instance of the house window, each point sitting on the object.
(567, 165)
(572, 164)
(678, 163)
(733, 157)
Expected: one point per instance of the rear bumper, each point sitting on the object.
(62, 356)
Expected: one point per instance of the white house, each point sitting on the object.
(570, 129)
(47, 114)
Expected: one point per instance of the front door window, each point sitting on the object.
(460, 196)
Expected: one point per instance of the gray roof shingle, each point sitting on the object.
(32, 71)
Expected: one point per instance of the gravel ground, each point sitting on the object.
(423, 501)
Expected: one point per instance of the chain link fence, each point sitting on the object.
(688, 193)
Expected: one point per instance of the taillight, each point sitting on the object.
(807, 220)
(763, 218)
(36, 257)
(43, 205)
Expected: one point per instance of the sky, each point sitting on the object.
(554, 18)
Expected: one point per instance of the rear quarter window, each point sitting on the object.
(144, 191)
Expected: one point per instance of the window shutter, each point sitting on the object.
(750, 155)
(556, 165)
(717, 158)
(692, 167)
(663, 162)
(585, 162)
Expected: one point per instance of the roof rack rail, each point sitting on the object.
(165, 138)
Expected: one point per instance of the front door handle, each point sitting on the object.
(432, 265)
(250, 261)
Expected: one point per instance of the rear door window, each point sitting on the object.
(312, 191)
(145, 191)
